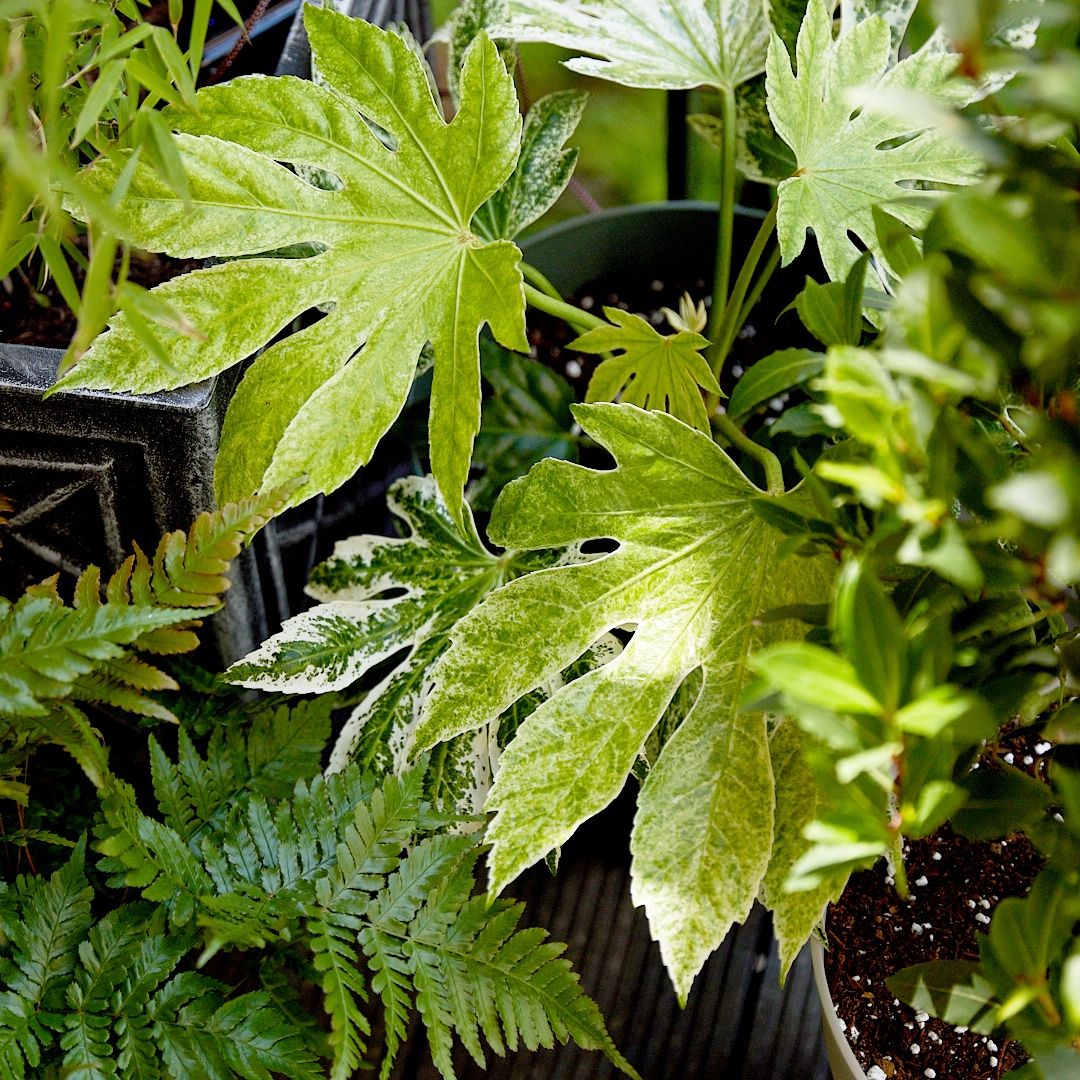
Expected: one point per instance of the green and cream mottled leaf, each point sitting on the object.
(438, 573)
(799, 800)
(652, 370)
(850, 160)
(543, 170)
(396, 263)
(666, 44)
(896, 13)
(693, 567)
(463, 27)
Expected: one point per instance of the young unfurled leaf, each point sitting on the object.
(441, 572)
(850, 159)
(652, 370)
(693, 568)
(398, 263)
(544, 167)
(665, 44)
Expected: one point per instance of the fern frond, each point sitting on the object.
(109, 950)
(148, 855)
(66, 726)
(199, 1035)
(390, 980)
(154, 962)
(343, 991)
(45, 647)
(189, 569)
(54, 915)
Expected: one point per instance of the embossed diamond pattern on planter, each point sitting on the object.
(739, 1023)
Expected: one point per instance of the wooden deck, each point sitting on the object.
(739, 1024)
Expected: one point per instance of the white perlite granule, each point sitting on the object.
(876, 1072)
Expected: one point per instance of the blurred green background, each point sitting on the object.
(622, 136)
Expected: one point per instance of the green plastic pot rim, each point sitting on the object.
(835, 1036)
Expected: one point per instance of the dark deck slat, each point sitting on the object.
(739, 1023)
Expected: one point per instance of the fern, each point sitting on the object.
(111, 994)
(54, 655)
(370, 883)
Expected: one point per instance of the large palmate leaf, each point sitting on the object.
(396, 263)
(851, 159)
(439, 573)
(666, 44)
(653, 370)
(693, 567)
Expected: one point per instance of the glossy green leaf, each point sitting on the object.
(850, 159)
(867, 628)
(952, 990)
(772, 375)
(999, 801)
(693, 567)
(665, 44)
(815, 676)
(397, 263)
(651, 370)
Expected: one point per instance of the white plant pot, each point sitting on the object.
(842, 1060)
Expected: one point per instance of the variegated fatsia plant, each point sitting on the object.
(540, 674)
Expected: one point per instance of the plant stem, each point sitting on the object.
(530, 273)
(726, 230)
(767, 271)
(732, 317)
(580, 320)
(774, 473)
(896, 857)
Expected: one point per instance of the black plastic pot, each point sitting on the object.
(91, 471)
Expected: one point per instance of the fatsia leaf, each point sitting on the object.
(397, 262)
(693, 567)
(851, 159)
(652, 370)
(440, 572)
(543, 170)
(666, 44)
(799, 800)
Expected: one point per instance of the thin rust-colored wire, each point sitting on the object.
(244, 39)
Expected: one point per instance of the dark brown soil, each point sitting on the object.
(32, 316)
(872, 933)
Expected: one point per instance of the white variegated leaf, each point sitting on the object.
(694, 565)
(543, 170)
(434, 574)
(851, 159)
(665, 44)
